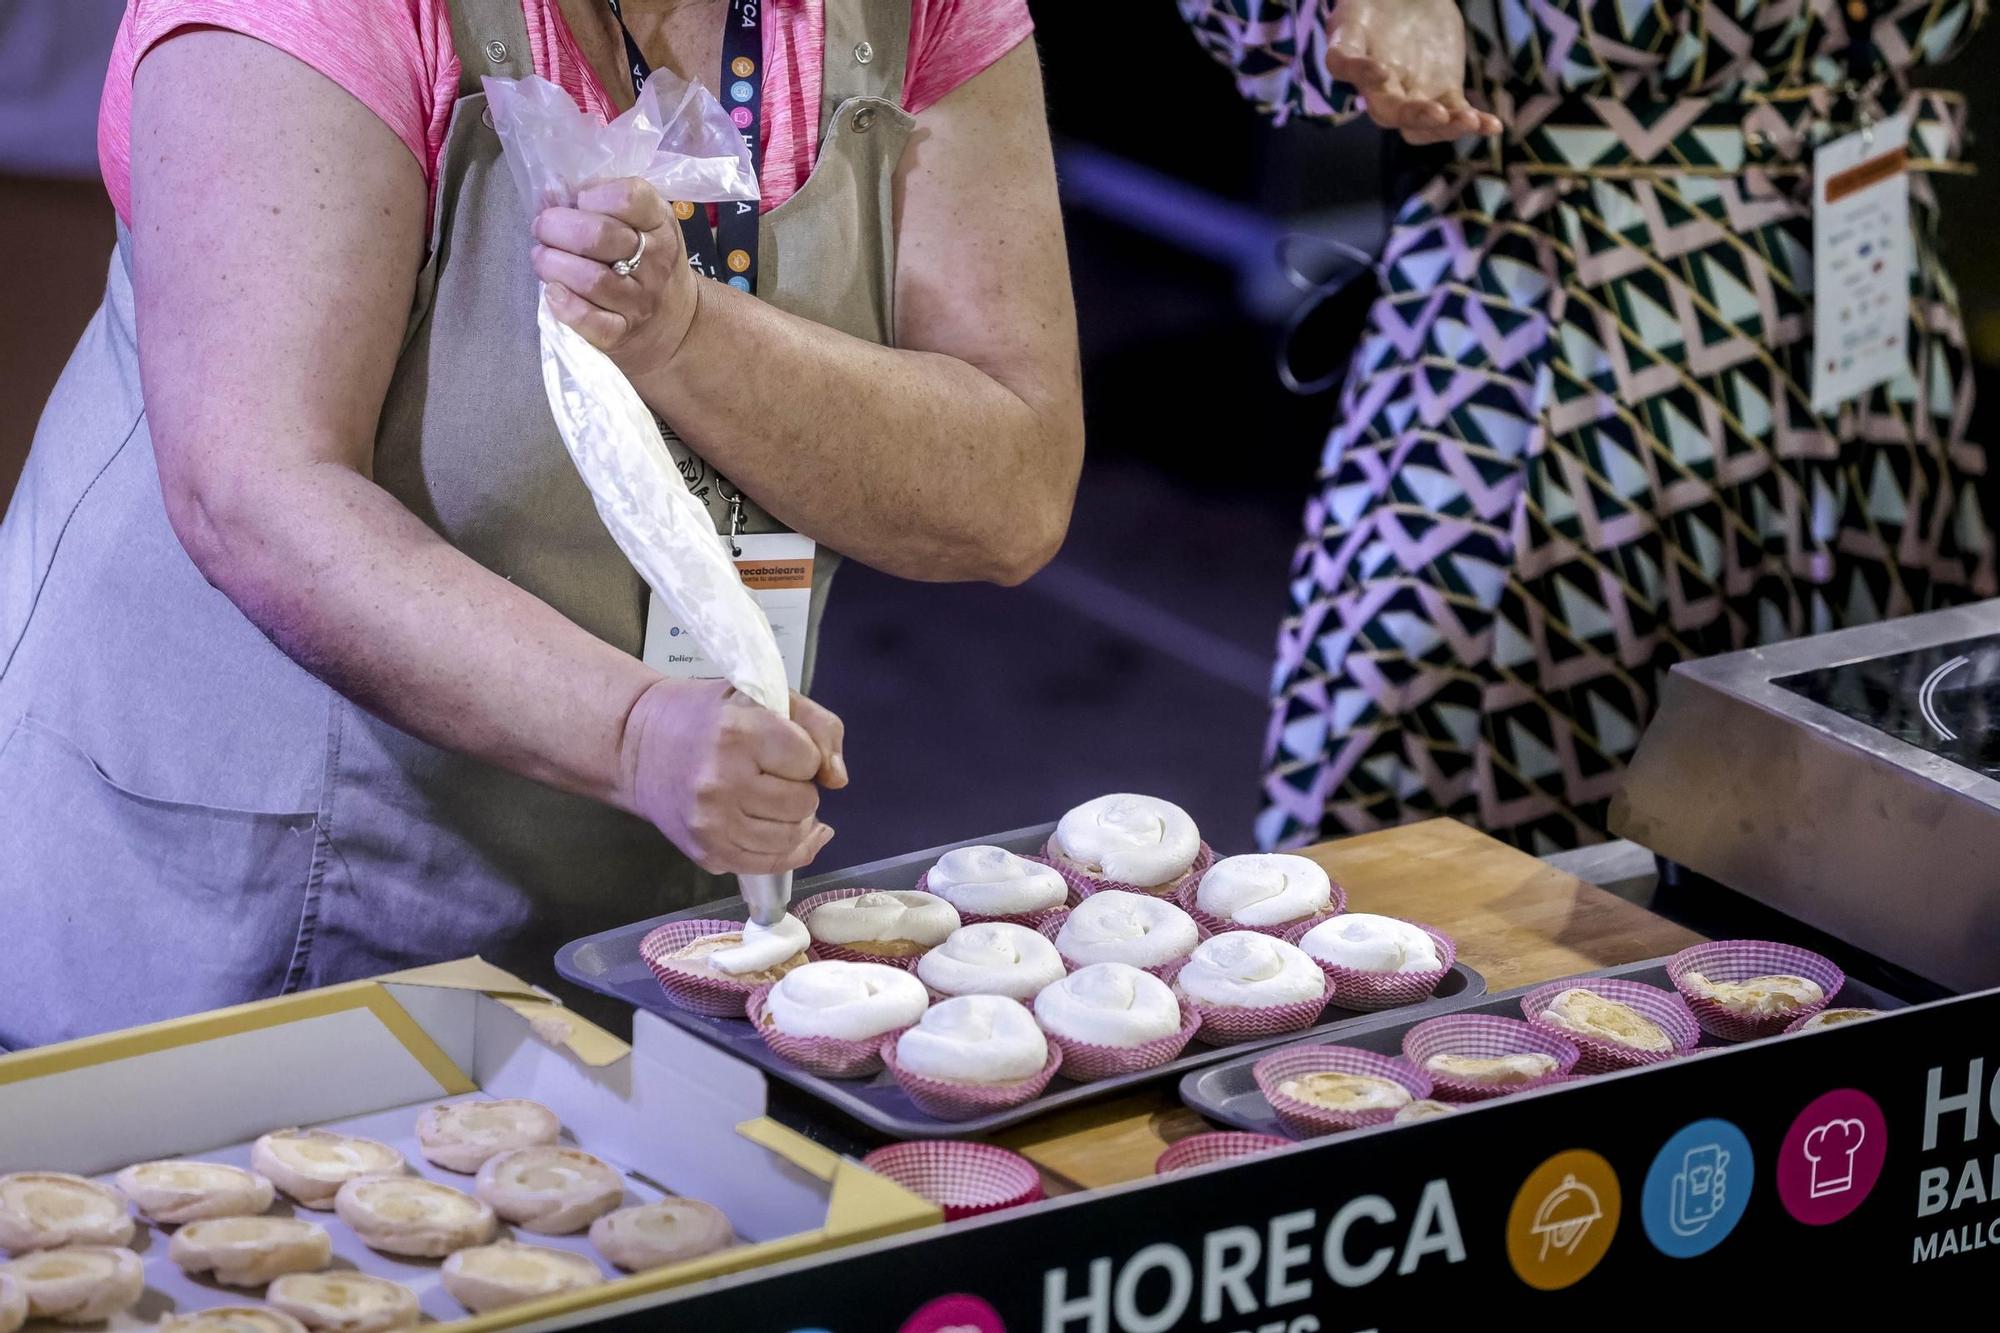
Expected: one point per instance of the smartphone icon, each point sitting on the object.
(1699, 1188)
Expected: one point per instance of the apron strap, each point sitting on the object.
(867, 48)
(490, 37)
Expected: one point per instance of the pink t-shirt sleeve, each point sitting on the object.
(953, 40)
(393, 56)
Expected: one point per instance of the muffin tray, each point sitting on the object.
(609, 963)
(1226, 1092)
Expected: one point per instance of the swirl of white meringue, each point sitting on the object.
(852, 1001)
(1264, 889)
(869, 918)
(763, 947)
(1109, 1004)
(1139, 840)
(974, 1039)
(991, 881)
(1120, 927)
(992, 958)
(1242, 969)
(1370, 943)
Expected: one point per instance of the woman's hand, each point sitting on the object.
(734, 785)
(638, 320)
(1407, 60)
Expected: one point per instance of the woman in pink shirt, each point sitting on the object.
(314, 659)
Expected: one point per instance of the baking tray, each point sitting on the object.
(609, 963)
(1226, 1092)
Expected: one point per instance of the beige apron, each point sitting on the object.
(187, 818)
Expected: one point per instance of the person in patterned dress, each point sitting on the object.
(1575, 445)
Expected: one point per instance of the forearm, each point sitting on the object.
(370, 600)
(917, 463)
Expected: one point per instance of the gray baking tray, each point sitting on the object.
(1226, 1092)
(609, 963)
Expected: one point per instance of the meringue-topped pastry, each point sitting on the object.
(1120, 927)
(420, 1218)
(492, 1277)
(40, 1210)
(176, 1191)
(551, 1189)
(851, 1001)
(671, 1231)
(1138, 840)
(460, 1136)
(311, 1165)
(1493, 1071)
(250, 1251)
(1422, 1109)
(991, 881)
(77, 1284)
(1833, 1018)
(1264, 889)
(344, 1301)
(1241, 969)
(13, 1305)
(1334, 1091)
(1758, 997)
(1109, 1004)
(1365, 942)
(992, 958)
(754, 955)
(1589, 1014)
(884, 924)
(974, 1039)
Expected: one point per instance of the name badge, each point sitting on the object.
(1861, 262)
(777, 567)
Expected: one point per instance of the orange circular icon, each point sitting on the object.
(683, 209)
(739, 260)
(1563, 1220)
(742, 67)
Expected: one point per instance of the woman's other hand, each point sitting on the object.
(734, 785)
(637, 318)
(1407, 60)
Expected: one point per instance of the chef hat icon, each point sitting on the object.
(1831, 1148)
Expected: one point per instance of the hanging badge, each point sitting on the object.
(777, 567)
(1861, 261)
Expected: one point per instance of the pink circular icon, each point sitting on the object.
(956, 1314)
(741, 115)
(1832, 1157)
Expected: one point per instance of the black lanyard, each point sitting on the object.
(728, 250)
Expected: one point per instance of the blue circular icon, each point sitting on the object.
(740, 283)
(1697, 1189)
(674, 633)
(741, 90)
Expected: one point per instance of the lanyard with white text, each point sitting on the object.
(728, 250)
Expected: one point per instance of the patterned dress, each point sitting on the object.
(1575, 444)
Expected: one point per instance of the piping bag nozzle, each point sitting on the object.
(768, 896)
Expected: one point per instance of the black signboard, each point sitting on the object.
(1837, 1176)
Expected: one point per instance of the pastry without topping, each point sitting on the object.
(460, 1136)
(974, 1039)
(1119, 927)
(40, 1210)
(1833, 1018)
(653, 1235)
(1369, 943)
(311, 1165)
(1109, 1004)
(172, 1192)
(405, 1215)
(491, 1277)
(232, 1319)
(344, 1302)
(1335, 1091)
(1589, 1014)
(1759, 997)
(1138, 840)
(992, 958)
(1264, 889)
(250, 1251)
(697, 958)
(885, 925)
(851, 1001)
(1422, 1109)
(1241, 969)
(552, 1190)
(991, 881)
(78, 1284)
(1494, 1071)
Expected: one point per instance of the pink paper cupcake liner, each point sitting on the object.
(1368, 992)
(717, 997)
(1484, 1036)
(1224, 1025)
(965, 1179)
(1085, 1061)
(829, 1057)
(842, 953)
(1166, 971)
(1739, 960)
(1597, 1056)
(963, 1101)
(1215, 925)
(1308, 1121)
(1222, 1146)
(1082, 883)
(1032, 920)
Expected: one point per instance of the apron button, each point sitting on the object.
(863, 53)
(864, 120)
(486, 117)
(496, 52)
